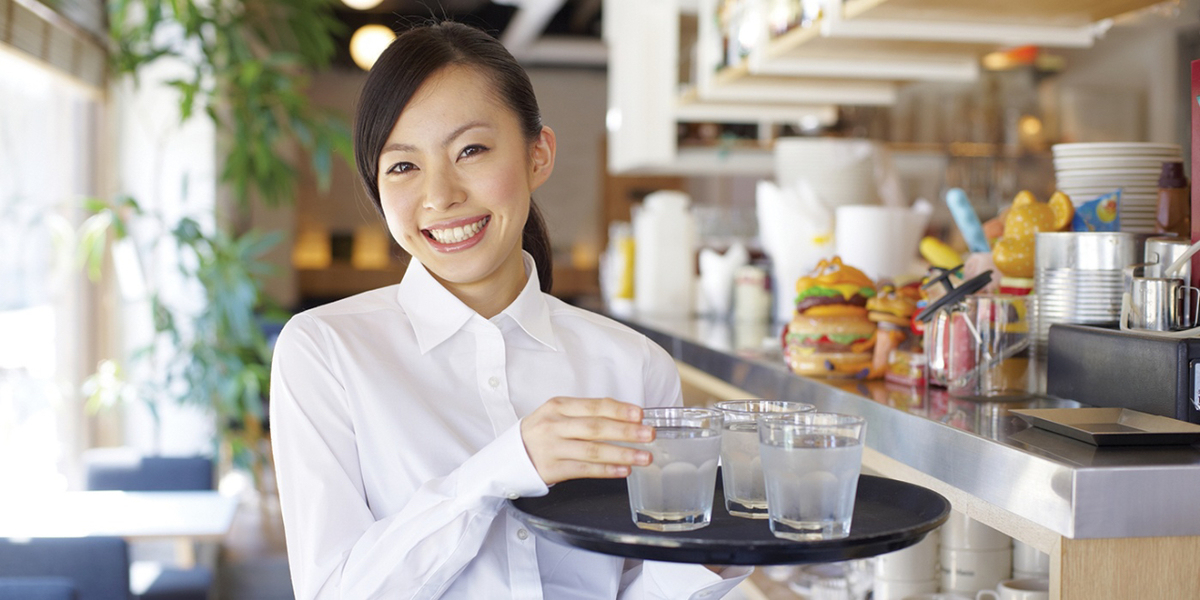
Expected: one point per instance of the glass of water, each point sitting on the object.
(741, 464)
(811, 462)
(675, 491)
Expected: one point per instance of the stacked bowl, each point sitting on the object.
(1085, 171)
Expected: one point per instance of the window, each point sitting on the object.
(48, 130)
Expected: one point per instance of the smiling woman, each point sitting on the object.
(405, 417)
(455, 183)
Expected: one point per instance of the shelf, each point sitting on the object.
(910, 40)
(1065, 13)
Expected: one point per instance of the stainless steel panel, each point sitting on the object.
(1070, 487)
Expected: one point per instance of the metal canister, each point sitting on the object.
(1162, 251)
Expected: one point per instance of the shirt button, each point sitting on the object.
(494, 381)
(522, 535)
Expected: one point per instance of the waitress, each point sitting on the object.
(403, 418)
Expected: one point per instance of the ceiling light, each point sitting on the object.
(368, 43)
(362, 4)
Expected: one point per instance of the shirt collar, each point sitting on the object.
(436, 314)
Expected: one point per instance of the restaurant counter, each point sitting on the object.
(1117, 522)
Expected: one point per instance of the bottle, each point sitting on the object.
(664, 266)
(1174, 201)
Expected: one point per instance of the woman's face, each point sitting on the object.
(455, 177)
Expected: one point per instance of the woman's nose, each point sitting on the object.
(442, 190)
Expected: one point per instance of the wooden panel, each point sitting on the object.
(1125, 568)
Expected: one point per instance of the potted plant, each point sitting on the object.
(246, 63)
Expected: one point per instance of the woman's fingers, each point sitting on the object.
(565, 438)
(574, 469)
(598, 407)
(600, 428)
(599, 452)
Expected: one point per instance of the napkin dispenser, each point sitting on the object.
(1106, 367)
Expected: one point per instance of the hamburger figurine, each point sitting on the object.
(892, 309)
(830, 334)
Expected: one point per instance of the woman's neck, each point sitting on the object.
(493, 294)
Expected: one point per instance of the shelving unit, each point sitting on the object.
(857, 52)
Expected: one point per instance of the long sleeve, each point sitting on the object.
(338, 546)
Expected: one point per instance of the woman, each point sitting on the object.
(403, 418)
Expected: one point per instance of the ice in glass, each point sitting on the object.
(811, 462)
(741, 463)
(675, 491)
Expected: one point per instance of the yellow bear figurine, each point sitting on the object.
(1013, 252)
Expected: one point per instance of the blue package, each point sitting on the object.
(1101, 214)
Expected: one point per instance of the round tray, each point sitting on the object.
(593, 514)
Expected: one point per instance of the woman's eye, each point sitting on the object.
(401, 167)
(472, 150)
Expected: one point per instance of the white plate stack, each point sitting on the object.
(1085, 171)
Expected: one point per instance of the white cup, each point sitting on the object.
(915, 563)
(1018, 589)
(888, 589)
(1029, 562)
(973, 570)
(964, 533)
(938, 596)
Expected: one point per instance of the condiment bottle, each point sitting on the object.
(1174, 201)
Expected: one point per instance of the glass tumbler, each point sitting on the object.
(811, 462)
(741, 465)
(675, 491)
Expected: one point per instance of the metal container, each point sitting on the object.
(1079, 278)
(1162, 251)
(1089, 251)
(1158, 304)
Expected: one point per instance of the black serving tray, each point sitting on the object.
(593, 514)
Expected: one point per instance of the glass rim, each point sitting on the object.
(817, 419)
(696, 411)
(727, 406)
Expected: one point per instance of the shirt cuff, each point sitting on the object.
(503, 469)
(694, 582)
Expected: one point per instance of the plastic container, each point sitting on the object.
(664, 233)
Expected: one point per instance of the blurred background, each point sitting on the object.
(175, 177)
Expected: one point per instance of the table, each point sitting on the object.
(187, 517)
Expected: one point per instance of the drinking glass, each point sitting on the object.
(675, 491)
(811, 462)
(741, 465)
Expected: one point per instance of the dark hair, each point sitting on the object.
(411, 59)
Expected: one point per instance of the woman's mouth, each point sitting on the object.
(457, 237)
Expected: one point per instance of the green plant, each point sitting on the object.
(247, 65)
(214, 356)
(249, 62)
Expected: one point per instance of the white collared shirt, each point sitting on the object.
(395, 428)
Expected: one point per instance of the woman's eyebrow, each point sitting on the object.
(399, 147)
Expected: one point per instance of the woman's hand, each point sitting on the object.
(565, 438)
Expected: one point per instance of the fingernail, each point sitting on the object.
(620, 471)
(645, 433)
(635, 414)
(643, 458)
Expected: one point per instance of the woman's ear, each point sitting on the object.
(541, 158)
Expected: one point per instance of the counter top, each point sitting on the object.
(1071, 488)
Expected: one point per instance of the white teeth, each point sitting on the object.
(457, 234)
